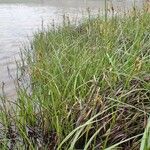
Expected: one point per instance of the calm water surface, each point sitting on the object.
(20, 18)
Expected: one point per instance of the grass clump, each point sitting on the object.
(89, 87)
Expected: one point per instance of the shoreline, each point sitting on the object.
(90, 88)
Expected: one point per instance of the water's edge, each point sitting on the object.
(20, 19)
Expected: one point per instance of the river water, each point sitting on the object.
(19, 19)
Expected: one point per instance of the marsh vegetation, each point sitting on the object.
(89, 87)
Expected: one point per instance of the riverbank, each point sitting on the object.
(90, 87)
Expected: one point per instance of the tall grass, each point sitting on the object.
(89, 87)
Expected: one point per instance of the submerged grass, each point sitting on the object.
(89, 88)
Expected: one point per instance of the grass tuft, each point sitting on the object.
(89, 87)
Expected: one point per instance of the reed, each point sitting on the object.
(89, 87)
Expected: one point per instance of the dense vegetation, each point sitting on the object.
(89, 88)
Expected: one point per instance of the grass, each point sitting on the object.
(89, 88)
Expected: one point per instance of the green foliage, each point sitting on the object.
(89, 85)
(145, 144)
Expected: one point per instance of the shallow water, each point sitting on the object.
(20, 18)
